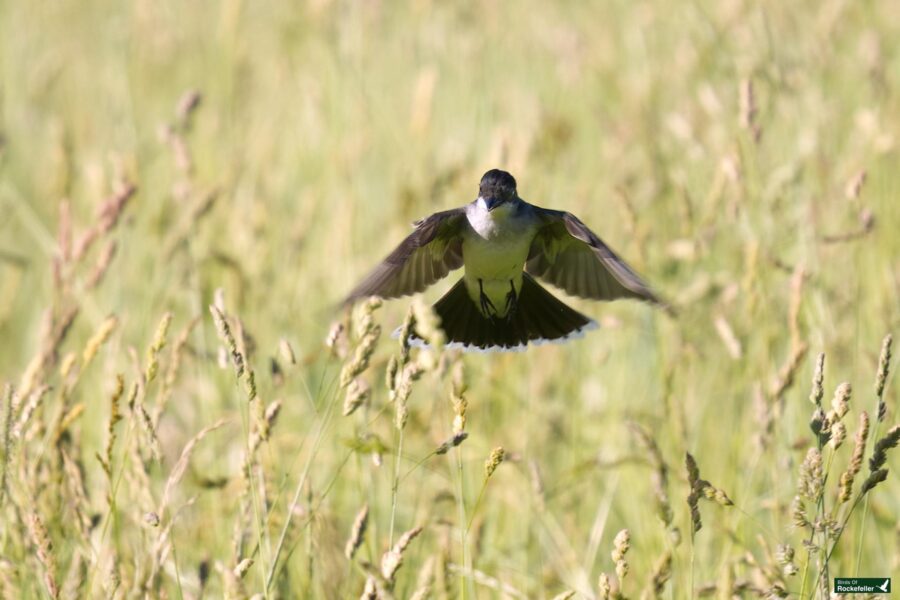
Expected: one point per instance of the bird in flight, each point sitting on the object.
(504, 243)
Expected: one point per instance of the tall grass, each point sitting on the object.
(188, 190)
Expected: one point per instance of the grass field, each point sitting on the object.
(187, 191)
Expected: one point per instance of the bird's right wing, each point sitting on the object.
(431, 251)
(569, 255)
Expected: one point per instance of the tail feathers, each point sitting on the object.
(538, 317)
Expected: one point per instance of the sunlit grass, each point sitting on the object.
(741, 156)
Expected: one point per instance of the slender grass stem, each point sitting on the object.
(395, 487)
(320, 433)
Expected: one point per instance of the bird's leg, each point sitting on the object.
(512, 299)
(487, 307)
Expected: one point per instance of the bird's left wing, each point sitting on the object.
(431, 251)
(568, 255)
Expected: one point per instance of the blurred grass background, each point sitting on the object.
(323, 129)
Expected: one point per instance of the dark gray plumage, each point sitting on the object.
(502, 241)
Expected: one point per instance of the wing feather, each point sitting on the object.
(568, 255)
(428, 254)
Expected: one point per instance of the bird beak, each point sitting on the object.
(492, 203)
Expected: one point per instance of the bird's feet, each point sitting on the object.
(512, 300)
(487, 307)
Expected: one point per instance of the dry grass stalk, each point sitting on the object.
(336, 341)
(428, 326)
(410, 374)
(503, 589)
(884, 365)
(787, 373)
(796, 286)
(700, 488)
(73, 585)
(148, 428)
(181, 466)
(159, 342)
(68, 419)
(263, 428)
(102, 265)
(838, 435)
(662, 572)
(660, 479)
(115, 415)
(390, 374)
(242, 567)
(873, 480)
(79, 504)
(726, 333)
(815, 396)
(368, 333)
(693, 475)
(172, 369)
(879, 453)
(393, 558)
(460, 405)
(31, 405)
(406, 334)
(108, 215)
(784, 556)
(604, 587)
(453, 442)
(44, 548)
(856, 460)
(55, 329)
(812, 476)
(840, 403)
(6, 431)
(357, 533)
(287, 352)
(227, 337)
(370, 589)
(424, 580)
(98, 339)
(356, 394)
(621, 545)
(493, 461)
(798, 513)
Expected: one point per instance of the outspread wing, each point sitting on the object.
(570, 256)
(431, 251)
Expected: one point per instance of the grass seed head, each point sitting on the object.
(856, 460)
(873, 480)
(44, 547)
(811, 475)
(840, 404)
(838, 435)
(798, 513)
(879, 453)
(884, 365)
(453, 442)
(357, 533)
(98, 339)
(815, 396)
(393, 558)
(604, 588)
(491, 464)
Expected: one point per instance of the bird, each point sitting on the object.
(504, 245)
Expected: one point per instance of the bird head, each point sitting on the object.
(497, 188)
